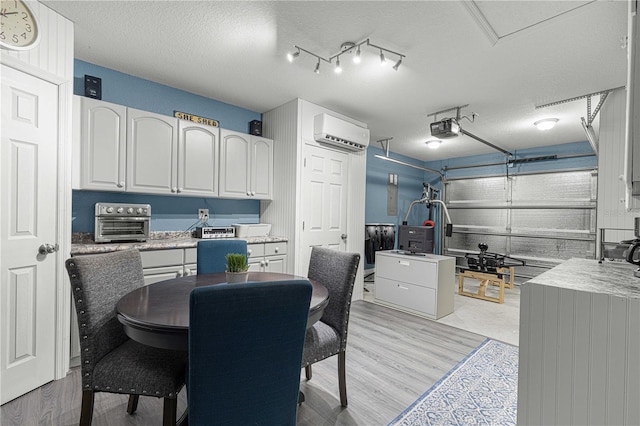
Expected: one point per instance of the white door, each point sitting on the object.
(103, 145)
(197, 159)
(152, 150)
(235, 156)
(324, 206)
(28, 217)
(261, 168)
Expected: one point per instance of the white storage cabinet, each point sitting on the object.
(423, 285)
(160, 265)
(267, 257)
(100, 136)
(246, 166)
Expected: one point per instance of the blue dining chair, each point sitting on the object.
(236, 330)
(211, 254)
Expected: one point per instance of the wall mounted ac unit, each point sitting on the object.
(335, 131)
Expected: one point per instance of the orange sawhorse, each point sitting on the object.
(486, 279)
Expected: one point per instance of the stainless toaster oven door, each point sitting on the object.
(122, 229)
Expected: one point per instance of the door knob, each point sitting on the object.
(47, 249)
(344, 237)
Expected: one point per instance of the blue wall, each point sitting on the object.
(169, 213)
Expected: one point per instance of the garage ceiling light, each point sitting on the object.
(546, 124)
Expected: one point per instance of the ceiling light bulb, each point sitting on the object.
(397, 65)
(546, 124)
(434, 143)
(292, 56)
(357, 59)
(338, 68)
(382, 60)
(317, 70)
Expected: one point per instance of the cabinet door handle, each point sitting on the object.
(249, 252)
(276, 250)
(404, 263)
(178, 274)
(187, 272)
(401, 287)
(266, 262)
(120, 185)
(180, 189)
(174, 189)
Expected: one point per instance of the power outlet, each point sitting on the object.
(203, 214)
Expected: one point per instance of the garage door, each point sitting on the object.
(542, 218)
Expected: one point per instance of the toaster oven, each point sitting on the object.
(122, 222)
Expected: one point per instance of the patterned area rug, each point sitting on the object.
(481, 390)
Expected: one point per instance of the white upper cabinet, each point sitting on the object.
(152, 152)
(246, 166)
(261, 168)
(197, 159)
(124, 149)
(102, 144)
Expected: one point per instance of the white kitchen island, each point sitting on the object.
(579, 361)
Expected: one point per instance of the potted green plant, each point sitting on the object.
(237, 268)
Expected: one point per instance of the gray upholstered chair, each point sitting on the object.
(111, 362)
(336, 270)
(236, 330)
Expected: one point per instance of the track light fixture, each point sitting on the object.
(347, 48)
(292, 56)
(338, 68)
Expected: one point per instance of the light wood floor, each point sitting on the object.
(392, 359)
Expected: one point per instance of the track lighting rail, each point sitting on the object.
(347, 47)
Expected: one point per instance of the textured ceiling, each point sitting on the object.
(501, 57)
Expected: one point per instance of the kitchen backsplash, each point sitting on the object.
(168, 213)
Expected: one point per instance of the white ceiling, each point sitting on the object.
(501, 57)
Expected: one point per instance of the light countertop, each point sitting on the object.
(611, 278)
(84, 244)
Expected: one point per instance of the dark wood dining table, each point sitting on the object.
(158, 314)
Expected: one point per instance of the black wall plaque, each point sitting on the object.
(92, 87)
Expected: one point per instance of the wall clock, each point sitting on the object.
(19, 29)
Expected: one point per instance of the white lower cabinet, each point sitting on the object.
(160, 265)
(420, 284)
(267, 257)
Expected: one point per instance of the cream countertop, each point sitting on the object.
(84, 244)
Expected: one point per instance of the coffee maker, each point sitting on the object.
(630, 257)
